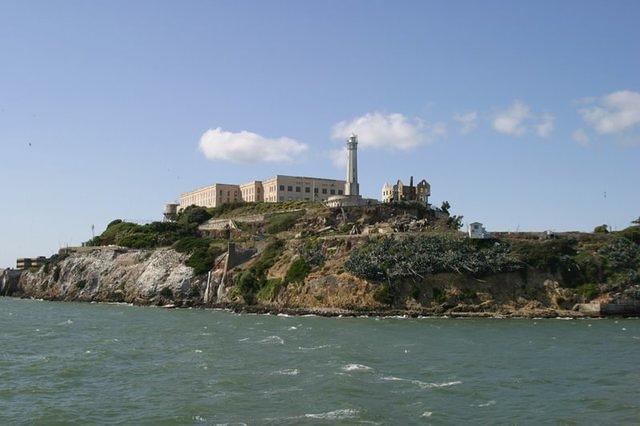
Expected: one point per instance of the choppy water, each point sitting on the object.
(87, 363)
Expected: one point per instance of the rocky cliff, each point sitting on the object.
(160, 277)
(111, 274)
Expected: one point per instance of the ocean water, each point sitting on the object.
(73, 363)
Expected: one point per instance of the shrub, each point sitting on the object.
(297, 272)
(631, 233)
(416, 256)
(621, 253)
(438, 295)
(193, 215)
(601, 229)
(167, 293)
(383, 294)
(588, 291)
(282, 222)
(270, 290)
(254, 278)
(138, 240)
(81, 284)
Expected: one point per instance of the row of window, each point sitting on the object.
(308, 190)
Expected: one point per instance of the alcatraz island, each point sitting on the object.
(299, 245)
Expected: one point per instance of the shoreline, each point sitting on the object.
(344, 313)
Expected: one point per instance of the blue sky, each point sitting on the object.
(521, 114)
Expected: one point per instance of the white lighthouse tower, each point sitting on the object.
(351, 186)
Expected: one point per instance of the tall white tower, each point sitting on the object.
(351, 186)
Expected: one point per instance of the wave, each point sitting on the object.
(421, 384)
(347, 413)
(356, 367)
(313, 348)
(273, 340)
(288, 372)
(486, 404)
(426, 414)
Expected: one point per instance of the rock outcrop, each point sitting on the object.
(113, 274)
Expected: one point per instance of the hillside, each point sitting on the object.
(304, 257)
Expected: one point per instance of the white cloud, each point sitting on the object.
(391, 131)
(248, 147)
(613, 113)
(580, 136)
(546, 125)
(467, 121)
(511, 120)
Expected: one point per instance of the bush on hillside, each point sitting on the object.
(416, 256)
(297, 272)
(282, 222)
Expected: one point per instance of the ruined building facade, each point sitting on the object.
(401, 192)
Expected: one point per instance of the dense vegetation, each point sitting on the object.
(254, 278)
(590, 263)
(392, 258)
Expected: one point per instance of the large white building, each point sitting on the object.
(276, 189)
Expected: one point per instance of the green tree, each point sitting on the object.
(602, 229)
(445, 207)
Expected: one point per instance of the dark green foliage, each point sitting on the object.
(417, 256)
(438, 295)
(167, 293)
(114, 222)
(254, 278)
(193, 215)
(297, 272)
(203, 252)
(383, 294)
(548, 255)
(282, 222)
(631, 233)
(270, 290)
(194, 292)
(601, 229)
(415, 292)
(81, 284)
(56, 273)
(621, 253)
(588, 291)
(469, 294)
(445, 207)
(138, 240)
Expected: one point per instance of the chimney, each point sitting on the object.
(411, 182)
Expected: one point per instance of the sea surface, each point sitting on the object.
(74, 363)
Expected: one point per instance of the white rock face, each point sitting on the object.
(116, 274)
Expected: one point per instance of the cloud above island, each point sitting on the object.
(616, 112)
(248, 147)
(395, 131)
(518, 119)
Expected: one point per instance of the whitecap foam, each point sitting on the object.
(356, 367)
(288, 372)
(273, 340)
(426, 414)
(486, 404)
(293, 327)
(347, 413)
(423, 385)
(313, 348)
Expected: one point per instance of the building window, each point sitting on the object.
(281, 187)
(339, 191)
(333, 192)
(307, 189)
(289, 188)
(297, 189)
(324, 190)
(315, 190)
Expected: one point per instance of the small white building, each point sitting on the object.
(476, 230)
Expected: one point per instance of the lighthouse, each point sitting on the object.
(351, 186)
